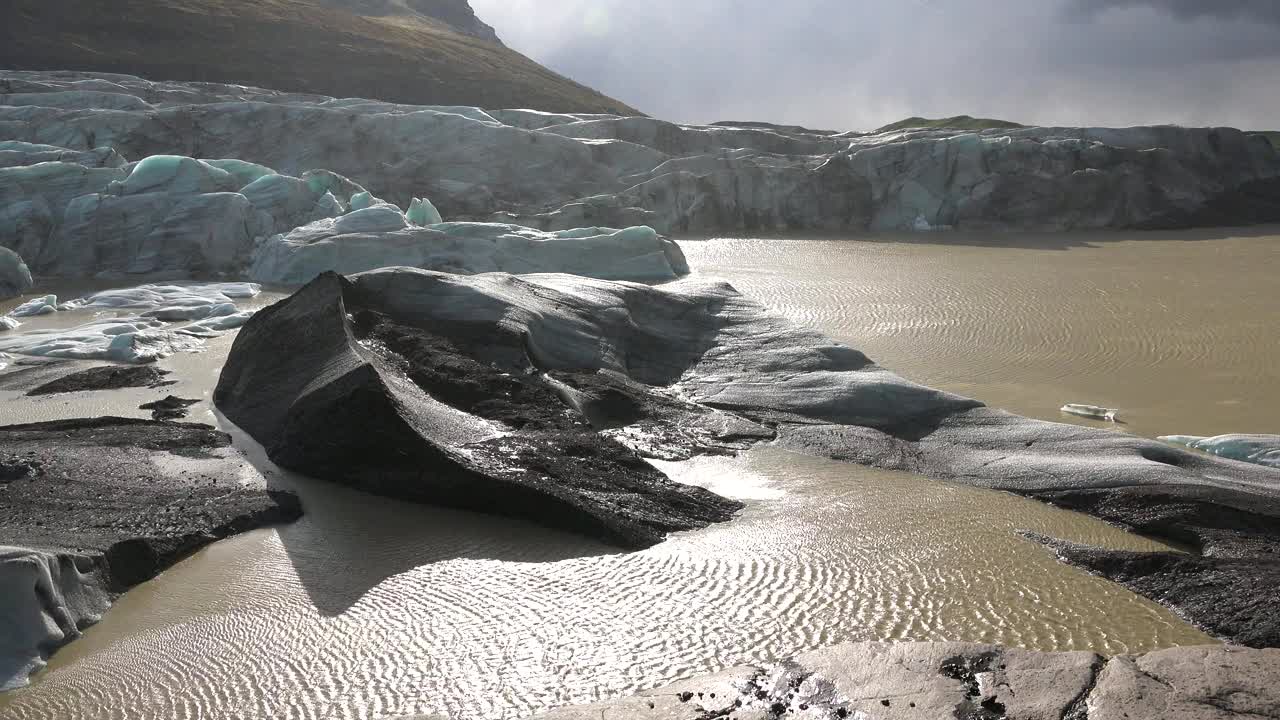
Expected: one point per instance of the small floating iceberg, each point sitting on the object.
(1256, 449)
(38, 306)
(134, 324)
(130, 339)
(1092, 412)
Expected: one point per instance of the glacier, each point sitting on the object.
(190, 179)
(1256, 449)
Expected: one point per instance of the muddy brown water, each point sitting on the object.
(370, 608)
(1179, 331)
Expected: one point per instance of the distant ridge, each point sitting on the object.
(959, 122)
(423, 52)
(1272, 135)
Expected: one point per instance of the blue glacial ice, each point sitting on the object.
(43, 305)
(15, 278)
(1256, 449)
(423, 213)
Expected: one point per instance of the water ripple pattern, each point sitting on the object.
(369, 608)
(1177, 330)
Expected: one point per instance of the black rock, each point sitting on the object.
(92, 507)
(91, 487)
(449, 413)
(170, 408)
(1228, 578)
(107, 377)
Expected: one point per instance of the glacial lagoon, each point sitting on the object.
(371, 608)
(1176, 330)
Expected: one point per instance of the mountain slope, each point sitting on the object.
(959, 122)
(404, 54)
(457, 14)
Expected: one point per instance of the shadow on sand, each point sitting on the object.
(348, 542)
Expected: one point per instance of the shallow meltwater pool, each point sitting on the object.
(371, 608)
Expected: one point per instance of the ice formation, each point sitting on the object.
(51, 597)
(1257, 449)
(72, 204)
(381, 236)
(173, 302)
(127, 339)
(15, 278)
(422, 212)
(43, 305)
(1091, 411)
(135, 324)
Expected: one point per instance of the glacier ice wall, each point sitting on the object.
(114, 175)
(554, 172)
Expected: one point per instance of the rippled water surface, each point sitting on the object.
(1179, 331)
(370, 608)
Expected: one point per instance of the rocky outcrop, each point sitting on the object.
(693, 367)
(457, 14)
(106, 377)
(563, 171)
(93, 507)
(933, 681)
(374, 383)
(170, 407)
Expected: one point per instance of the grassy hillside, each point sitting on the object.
(294, 45)
(1273, 136)
(959, 122)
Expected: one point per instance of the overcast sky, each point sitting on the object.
(858, 64)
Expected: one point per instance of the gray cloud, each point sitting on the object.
(858, 64)
(1265, 10)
